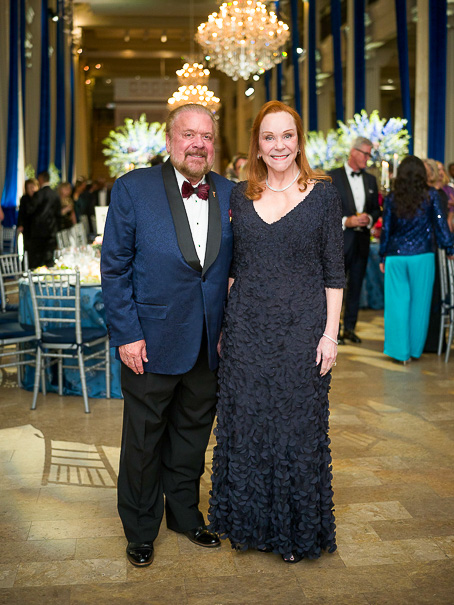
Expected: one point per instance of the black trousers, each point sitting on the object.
(355, 270)
(166, 427)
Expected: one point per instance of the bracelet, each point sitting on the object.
(331, 339)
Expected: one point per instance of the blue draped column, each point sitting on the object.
(295, 56)
(360, 58)
(44, 112)
(60, 130)
(438, 40)
(278, 66)
(312, 83)
(22, 58)
(268, 85)
(404, 71)
(71, 118)
(337, 58)
(10, 194)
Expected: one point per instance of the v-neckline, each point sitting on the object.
(287, 213)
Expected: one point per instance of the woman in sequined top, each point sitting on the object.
(414, 223)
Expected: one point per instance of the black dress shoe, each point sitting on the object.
(139, 554)
(350, 335)
(202, 537)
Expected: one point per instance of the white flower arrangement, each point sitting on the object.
(388, 137)
(134, 145)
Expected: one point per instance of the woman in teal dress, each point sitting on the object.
(414, 223)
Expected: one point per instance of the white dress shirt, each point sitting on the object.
(197, 213)
(359, 193)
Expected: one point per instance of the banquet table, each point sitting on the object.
(92, 315)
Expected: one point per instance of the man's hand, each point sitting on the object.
(133, 355)
(357, 220)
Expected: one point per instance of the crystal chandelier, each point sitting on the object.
(242, 38)
(194, 80)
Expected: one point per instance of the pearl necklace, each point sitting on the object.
(286, 187)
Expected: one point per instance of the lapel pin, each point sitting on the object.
(214, 193)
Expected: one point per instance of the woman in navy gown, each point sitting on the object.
(414, 221)
(272, 462)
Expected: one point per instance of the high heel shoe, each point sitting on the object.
(293, 558)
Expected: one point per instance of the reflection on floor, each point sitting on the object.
(391, 429)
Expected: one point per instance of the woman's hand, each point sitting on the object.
(326, 353)
(382, 267)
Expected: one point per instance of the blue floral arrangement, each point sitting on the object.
(330, 151)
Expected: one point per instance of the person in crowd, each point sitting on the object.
(23, 220)
(271, 466)
(166, 254)
(79, 188)
(448, 188)
(85, 206)
(68, 214)
(43, 215)
(434, 179)
(451, 172)
(412, 218)
(235, 170)
(101, 193)
(360, 210)
(239, 164)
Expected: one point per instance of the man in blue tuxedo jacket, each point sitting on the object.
(360, 209)
(165, 261)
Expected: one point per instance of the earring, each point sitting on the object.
(299, 151)
(258, 156)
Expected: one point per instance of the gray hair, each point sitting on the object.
(194, 107)
(360, 141)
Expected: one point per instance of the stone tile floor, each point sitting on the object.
(391, 430)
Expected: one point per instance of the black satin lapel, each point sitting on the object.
(349, 194)
(214, 227)
(180, 218)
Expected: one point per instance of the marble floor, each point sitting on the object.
(392, 430)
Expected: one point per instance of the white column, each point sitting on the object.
(422, 80)
(449, 145)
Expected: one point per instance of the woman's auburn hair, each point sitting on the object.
(256, 168)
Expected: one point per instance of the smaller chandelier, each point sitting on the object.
(193, 74)
(194, 88)
(243, 38)
(195, 93)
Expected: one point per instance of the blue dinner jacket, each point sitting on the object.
(153, 285)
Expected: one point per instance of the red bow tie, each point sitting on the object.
(201, 191)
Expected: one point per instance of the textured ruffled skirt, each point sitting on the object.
(272, 462)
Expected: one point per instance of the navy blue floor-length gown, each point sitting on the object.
(272, 462)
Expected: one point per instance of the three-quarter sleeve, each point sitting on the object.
(333, 240)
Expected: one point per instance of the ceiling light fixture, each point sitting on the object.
(243, 38)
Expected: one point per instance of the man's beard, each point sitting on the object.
(191, 171)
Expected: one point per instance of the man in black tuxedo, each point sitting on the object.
(360, 209)
(43, 214)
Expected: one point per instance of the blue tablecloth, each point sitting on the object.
(93, 315)
(373, 290)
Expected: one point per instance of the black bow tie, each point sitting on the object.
(358, 173)
(201, 191)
